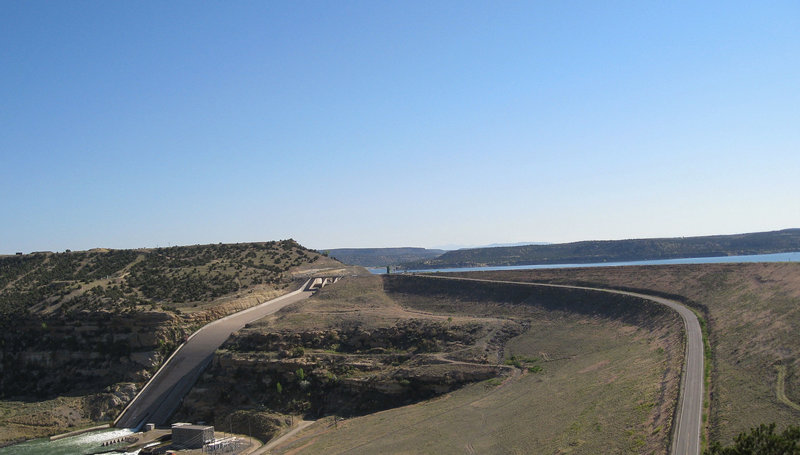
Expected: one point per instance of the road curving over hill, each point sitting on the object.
(687, 427)
(162, 395)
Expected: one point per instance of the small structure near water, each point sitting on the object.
(186, 436)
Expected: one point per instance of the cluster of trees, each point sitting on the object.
(46, 269)
(125, 279)
(761, 441)
(28, 280)
(205, 272)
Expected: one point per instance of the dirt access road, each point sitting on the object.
(162, 395)
(688, 420)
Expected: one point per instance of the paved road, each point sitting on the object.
(688, 420)
(162, 395)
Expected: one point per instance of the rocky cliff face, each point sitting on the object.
(56, 374)
(340, 371)
(42, 358)
(321, 384)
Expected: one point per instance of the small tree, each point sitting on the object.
(278, 388)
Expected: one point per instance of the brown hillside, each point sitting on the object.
(753, 313)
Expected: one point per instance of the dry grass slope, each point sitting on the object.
(753, 313)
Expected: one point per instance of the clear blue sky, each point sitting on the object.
(355, 124)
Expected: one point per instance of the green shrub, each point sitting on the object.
(761, 441)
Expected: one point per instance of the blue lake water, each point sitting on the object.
(776, 257)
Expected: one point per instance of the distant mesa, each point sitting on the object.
(381, 257)
(593, 251)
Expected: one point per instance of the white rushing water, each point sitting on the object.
(81, 444)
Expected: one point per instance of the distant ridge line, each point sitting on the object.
(595, 251)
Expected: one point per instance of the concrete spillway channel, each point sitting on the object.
(162, 395)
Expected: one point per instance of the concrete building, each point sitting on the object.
(191, 436)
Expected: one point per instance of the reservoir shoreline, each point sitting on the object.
(773, 257)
